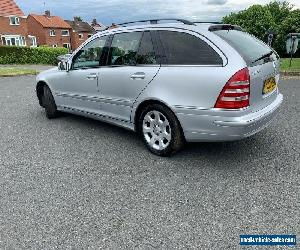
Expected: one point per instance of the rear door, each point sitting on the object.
(262, 62)
(131, 66)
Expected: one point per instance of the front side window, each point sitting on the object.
(52, 33)
(32, 40)
(14, 40)
(185, 49)
(22, 41)
(14, 20)
(66, 45)
(65, 33)
(124, 48)
(90, 55)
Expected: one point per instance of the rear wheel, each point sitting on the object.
(49, 103)
(160, 130)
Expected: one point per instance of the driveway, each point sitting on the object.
(76, 183)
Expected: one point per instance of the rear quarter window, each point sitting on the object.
(185, 49)
(248, 46)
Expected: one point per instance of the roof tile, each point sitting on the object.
(9, 8)
(51, 22)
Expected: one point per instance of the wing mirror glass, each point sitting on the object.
(64, 65)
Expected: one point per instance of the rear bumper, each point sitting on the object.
(213, 125)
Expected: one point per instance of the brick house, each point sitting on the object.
(97, 26)
(81, 31)
(13, 26)
(50, 30)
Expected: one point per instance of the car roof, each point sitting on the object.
(198, 27)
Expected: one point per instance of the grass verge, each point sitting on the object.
(285, 63)
(5, 71)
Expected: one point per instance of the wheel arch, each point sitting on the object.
(138, 110)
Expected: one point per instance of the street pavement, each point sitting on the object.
(76, 183)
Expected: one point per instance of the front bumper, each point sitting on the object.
(213, 125)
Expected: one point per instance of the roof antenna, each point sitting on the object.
(44, 6)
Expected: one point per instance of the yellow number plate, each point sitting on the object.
(269, 85)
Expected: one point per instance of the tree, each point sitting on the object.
(256, 20)
(78, 18)
(277, 16)
(291, 24)
(279, 10)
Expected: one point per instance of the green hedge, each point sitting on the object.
(25, 55)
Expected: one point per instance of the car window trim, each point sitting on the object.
(164, 62)
(89, 67)
(210, 42)
(112, 37)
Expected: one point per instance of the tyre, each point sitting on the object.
(49, 103)
(160, 129)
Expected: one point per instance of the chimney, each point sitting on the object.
(94, 22)
(47, 13)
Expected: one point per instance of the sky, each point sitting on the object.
(116, 11)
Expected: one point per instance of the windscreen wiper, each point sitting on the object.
(263, 56)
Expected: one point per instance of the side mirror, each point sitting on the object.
(63, 65)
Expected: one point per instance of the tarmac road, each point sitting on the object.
(76, 183)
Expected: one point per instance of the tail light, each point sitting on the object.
(236, 92)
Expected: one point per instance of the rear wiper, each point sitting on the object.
(263, 56)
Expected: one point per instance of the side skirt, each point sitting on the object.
(97, 116)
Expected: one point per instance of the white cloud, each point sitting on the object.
(118, 11)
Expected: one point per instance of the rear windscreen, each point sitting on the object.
(249, 47)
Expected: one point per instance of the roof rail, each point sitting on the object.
(209, 22)
(155, 21)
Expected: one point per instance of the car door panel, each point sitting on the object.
(80, 85)
(120, 86)
(131, 67)
(78, 89)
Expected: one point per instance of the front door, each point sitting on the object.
(79, 87)
(132, 65)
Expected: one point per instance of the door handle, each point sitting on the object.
(138, 75)
(92, 76)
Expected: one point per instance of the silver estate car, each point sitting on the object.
(170, 81)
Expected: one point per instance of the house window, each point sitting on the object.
(32, 40)
(54, 45)
(90, 35)
(80, 36)
(66, 45)
(52, 33)
(65, 33)
(14, 20)
(14, 40)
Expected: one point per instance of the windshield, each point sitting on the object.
(249, 47)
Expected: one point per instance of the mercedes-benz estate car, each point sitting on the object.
(171, 82)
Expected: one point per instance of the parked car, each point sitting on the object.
(170, 82)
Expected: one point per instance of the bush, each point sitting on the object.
(25, 55)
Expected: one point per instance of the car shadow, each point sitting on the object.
(233, 150)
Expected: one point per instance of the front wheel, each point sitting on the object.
(49, 103)
(161, 131)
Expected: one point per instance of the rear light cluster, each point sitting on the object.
(236, 92)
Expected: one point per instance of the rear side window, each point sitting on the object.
(124, 47)
(185, 49)
(249, 47)
(146, 54)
